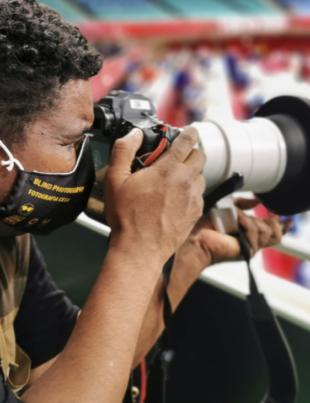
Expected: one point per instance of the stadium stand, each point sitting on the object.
(159, 10)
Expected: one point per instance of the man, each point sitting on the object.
(45, 175)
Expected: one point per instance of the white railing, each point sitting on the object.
(288, 300)
(94, 225)
(289, 245)
(294, 247)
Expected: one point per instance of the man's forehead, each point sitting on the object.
(73, 113)
(76, 98)
(78, 91)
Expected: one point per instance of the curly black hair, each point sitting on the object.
(39, 52)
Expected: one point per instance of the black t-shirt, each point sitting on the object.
(45, 320)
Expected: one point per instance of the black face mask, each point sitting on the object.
(42, 202)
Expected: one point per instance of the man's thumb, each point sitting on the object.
(124, 151)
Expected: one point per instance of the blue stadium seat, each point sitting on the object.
(121, 10)
(68, 12)
(203, 8)
(222, 8)
(253, 7)
(297, 6)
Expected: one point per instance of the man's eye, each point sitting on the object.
(75, 145)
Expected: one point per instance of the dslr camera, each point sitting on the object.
(271, 150)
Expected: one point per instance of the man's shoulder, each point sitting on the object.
(7, 242)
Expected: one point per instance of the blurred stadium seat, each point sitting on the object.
(67, 10)
(123, 10)
(223, 8)
(296, 6)
(254, 7)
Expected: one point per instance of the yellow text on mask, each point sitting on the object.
(57, 188)
(43, 196)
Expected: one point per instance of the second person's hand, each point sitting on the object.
(206, 246)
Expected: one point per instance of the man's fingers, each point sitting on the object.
(220, 247)
(251, 230)
(246, 204)
(196, 161)
(123, 153)
(204, 222)
(279, 228)
(286, 225)
(264, 232)
(182, 146)
(200, 184)
(276, 228)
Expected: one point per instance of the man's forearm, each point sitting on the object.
(95, 364)
(153, 324)
(182, 277)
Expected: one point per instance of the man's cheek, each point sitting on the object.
(62, 160)
(67, 163)
(53, 159)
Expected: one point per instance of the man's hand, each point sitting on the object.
(218, 247)
(205, 246)
(157, 207)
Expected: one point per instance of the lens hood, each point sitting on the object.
(292, 117)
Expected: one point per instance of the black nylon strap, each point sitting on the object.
(167, 354)
(283, 384)
(246, 253)
(167, 305)
(163, 355)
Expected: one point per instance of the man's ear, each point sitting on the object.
(3, 158)
(7, 178)
(10, 162)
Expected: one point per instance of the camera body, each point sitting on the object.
(115, 116)
(120, 112)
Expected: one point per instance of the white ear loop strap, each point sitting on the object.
(9, 164)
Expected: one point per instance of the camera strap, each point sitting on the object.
(283, 382)
(163, 352)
